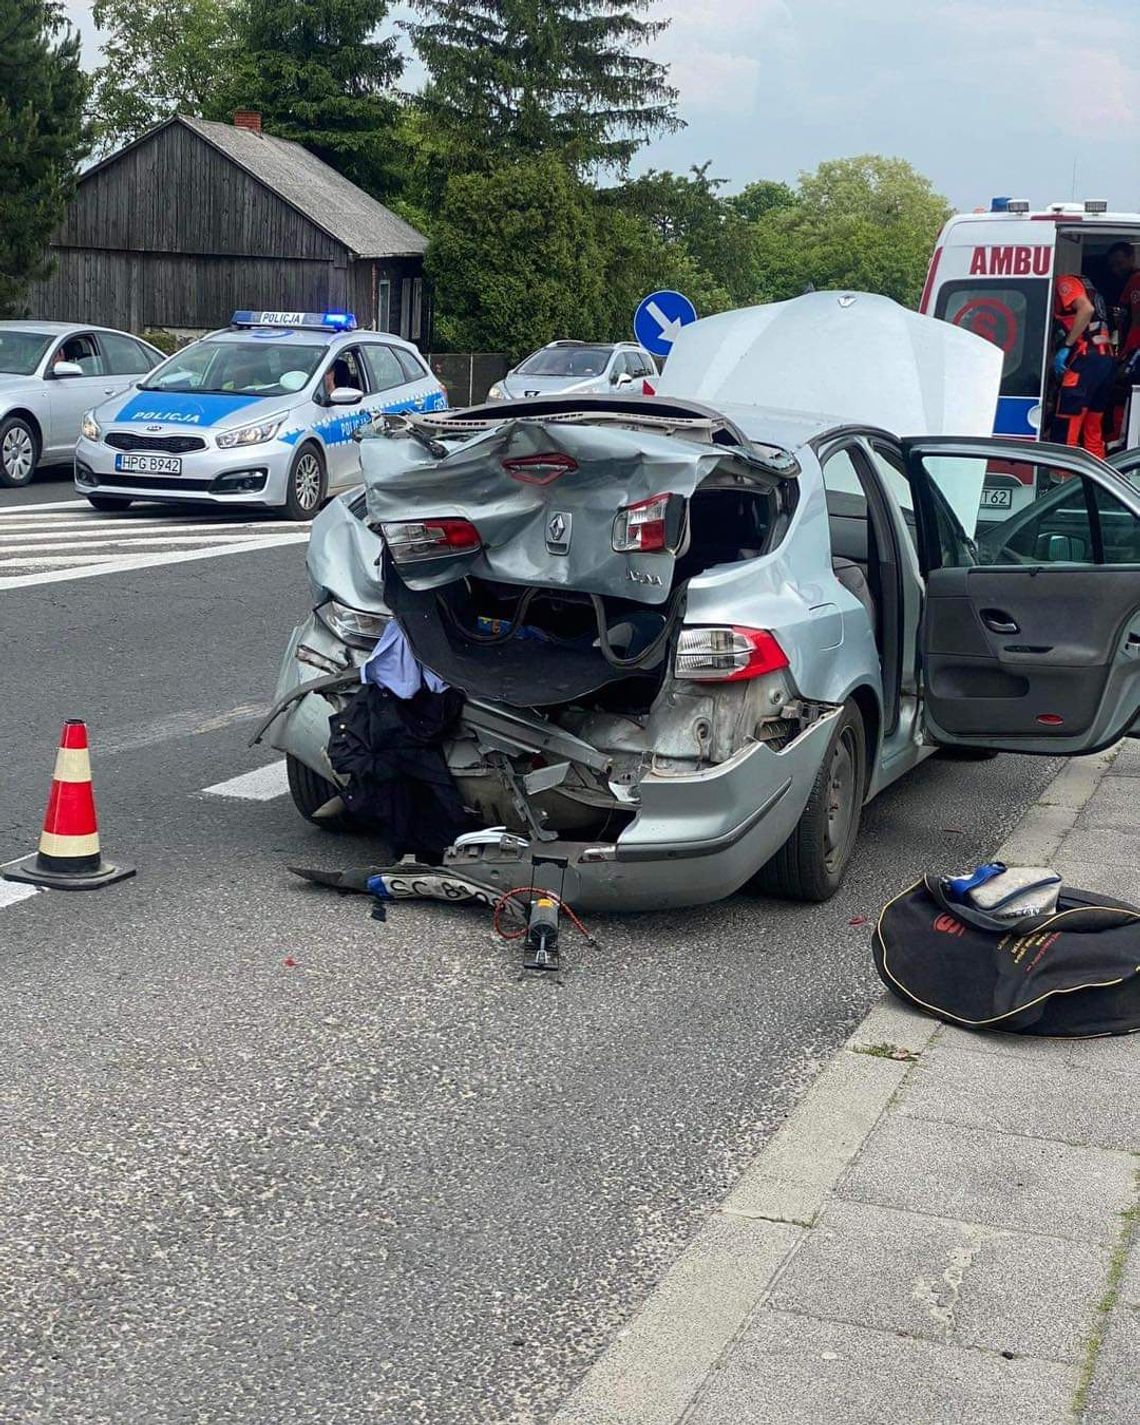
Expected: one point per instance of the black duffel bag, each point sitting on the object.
(1072, 973)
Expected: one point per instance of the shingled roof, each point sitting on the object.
(323, 195)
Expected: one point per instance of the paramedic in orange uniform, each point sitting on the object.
(1122, 265)
(1084, 365)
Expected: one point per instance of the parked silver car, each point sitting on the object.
(578, 366)
(695, 640)
(50, 374)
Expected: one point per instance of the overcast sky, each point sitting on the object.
(985, 97)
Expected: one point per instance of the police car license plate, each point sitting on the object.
(148, 465)
(997, 499)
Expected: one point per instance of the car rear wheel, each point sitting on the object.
(310, 792)
(811, 864)
(19, 452)
(108, 504)
(307, 482)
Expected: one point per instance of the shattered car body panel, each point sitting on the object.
(587, 733)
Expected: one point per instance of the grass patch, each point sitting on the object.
(888, 1051)
(1128, 1233)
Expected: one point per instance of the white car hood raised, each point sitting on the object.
(848, 356)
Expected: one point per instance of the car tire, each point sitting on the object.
(968, 754)
(19, 452)
(811, 864)
(310, 791)
(109, 504)
(307, 483)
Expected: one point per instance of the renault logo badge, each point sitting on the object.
(558, 533)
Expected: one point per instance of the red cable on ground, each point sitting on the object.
(508, 898)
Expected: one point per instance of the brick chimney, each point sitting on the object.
(247, 119)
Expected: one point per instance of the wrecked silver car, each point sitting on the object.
(695, 639)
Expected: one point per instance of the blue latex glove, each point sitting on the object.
(959, 886)
(1061, 361)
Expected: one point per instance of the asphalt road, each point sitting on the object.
(264, 1159)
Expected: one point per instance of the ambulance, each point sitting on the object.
(993, 273)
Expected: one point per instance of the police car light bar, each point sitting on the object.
(322, 321)
(1096, 205)
(1018, 205)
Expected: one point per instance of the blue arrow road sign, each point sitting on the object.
(658, 320)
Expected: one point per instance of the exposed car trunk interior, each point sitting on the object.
(600, 668)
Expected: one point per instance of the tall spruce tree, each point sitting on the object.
(320, 74)
(43, 137)
(518, 78)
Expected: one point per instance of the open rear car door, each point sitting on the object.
(1031, 624)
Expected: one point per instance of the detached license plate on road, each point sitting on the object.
(997, 499)
(148, 465)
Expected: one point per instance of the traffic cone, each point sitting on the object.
(68, 858)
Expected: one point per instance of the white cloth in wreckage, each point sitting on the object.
(393, 665)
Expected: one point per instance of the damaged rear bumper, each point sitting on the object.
(696, 839)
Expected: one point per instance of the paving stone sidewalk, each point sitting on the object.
(946, 1230)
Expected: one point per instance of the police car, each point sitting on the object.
(262, 413)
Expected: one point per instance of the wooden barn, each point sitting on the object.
(195, 220)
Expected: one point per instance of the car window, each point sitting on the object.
(1029, 512)
(890, 467)
(21, 352)
(840, 477)
(385, 367)
(83, 351)
(255, 368)
(1011, 315)
(346, 370)
(413, 369)
(566, 361)
(123, 355)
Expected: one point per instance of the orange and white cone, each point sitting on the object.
(69, 858)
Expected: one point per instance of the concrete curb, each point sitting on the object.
(651, 1372)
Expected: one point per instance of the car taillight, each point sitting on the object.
(539, 469)
(651, 526)
(725, 655)
(409, 540)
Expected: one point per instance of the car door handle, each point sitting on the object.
(109, 390)
(998, 622)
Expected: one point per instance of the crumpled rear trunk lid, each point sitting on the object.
(543, 495)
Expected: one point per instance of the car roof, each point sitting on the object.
(571, 342)
(307, 335)
(792, 430)
(56, 328)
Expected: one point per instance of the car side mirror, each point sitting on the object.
(345, 396)
(67, 368)
(623, 378)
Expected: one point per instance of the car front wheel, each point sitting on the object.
(19, 452)
(305, 491)
(310, 792)
(812, 862)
